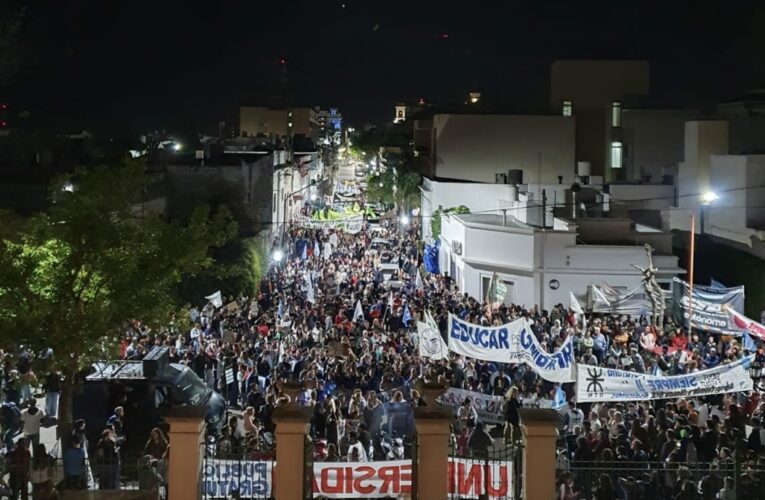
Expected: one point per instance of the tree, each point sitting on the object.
(395, 187)
(78, 274)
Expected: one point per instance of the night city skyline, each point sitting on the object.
(145, 65)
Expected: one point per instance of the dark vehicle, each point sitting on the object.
(145, 389)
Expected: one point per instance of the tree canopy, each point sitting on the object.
(76, 275)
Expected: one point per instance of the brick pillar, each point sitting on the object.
(433, 430)
(291, 430)
(186, 436)
(540, 433)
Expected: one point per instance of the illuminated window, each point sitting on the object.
(616, 155)
(616, 114)
(566, 108)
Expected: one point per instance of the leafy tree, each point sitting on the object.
(79, 273)
(395, 187)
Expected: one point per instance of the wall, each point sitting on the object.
(737, 215)
(642, 196)
(653, 141)
(702, 139)
(246, 189)
(259, 120)
(592, 86)
(475, 147)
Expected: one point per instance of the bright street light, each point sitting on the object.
(708, 197)
(313, 197)
(278, 255)
(68, 187)
(405, 219)
(177, 146)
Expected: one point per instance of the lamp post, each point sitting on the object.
(706, 200)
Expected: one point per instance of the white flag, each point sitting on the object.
(309, 294)
(431, 344)
(418, 282)
(430, 321)
(216, 299)
(577, 308)
(359, 312)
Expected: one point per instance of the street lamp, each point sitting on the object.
(708, 197)
(313, 197)
(177, 146)
(404, 219)
(278, 256)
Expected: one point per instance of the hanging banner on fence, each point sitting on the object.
(709, 307)
(488, 408)
(596, 384)
(466, 478)
(609, 300)
(236, 479)
(511, 343)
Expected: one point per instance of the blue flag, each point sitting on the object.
(748, 343)
(559, 400)
(407, 316)
(713, 283)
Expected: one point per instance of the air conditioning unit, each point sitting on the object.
(456, 247)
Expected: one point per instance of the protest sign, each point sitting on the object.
(488, 408)
(236, 479)
(710, 307)
(595, 384)
(393, 479)
(511, 343)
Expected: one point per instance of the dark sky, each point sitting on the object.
(133, 65)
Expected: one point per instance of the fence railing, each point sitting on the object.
(661, 479)
(494, 473)
(95, 473)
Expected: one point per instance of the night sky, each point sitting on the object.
(132, 65)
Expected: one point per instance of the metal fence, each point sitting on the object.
(236, 473)
(124, 473)
(659, 480)
(492, 474)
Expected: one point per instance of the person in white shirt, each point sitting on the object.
(31, 418)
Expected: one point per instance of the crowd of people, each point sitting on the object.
(328, 317)
(332, 318)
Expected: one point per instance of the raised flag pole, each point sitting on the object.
(690, 271)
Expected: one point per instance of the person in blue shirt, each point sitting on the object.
(75, 473)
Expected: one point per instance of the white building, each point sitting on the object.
(540, 266)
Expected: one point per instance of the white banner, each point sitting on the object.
(488, 408)
(466, 478)
(511, 343)
(236, 479)
(602, 384)
(216, 299)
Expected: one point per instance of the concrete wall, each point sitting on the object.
(653, 142)
(736, 215)
(702, 139)
(476, 147)
(642, 196)
(246, 189)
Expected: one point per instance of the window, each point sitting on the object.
(616, 114)
(616, 155)
(566, 108)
